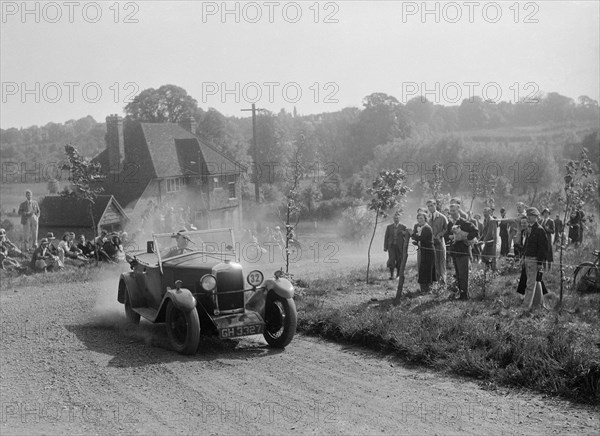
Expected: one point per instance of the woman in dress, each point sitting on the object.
(423, 235)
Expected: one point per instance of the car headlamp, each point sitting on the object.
(208, 282)
(255, 278)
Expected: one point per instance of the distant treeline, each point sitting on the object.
(522, 144)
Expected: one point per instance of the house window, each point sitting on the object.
(232, 190)
(216, 183)
(175, 184)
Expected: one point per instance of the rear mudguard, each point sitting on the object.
(282, 287)
(131, 286)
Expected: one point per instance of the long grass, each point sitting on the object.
(491, 338)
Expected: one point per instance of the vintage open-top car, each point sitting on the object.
(193, 282)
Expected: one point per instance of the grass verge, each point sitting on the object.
(490, 337)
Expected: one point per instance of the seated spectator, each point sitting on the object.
(68, 250)
(86, 247)
(6, 261)
(43, 259)
(12, 250)
(51, 247)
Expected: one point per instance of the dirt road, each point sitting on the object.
(70, 364)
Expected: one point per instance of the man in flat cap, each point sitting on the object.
(535, 254)
(395, 242)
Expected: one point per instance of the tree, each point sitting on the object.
(581, 185)
(382, 120)
(167, 104)
(433, 185)
(83, 175)
(482, 187)
(292, 207)
(387, 189)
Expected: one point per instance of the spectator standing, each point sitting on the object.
(548, 226)
(489, 238)
(575, 228)
(29, 211)
(423, 235)
(395, 243)
(439, 224)
(504, 239)
(463, 234)
(559, 229)
(535, 253)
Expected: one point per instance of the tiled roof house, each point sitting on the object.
(167, 163)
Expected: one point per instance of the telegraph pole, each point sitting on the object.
(255, 154)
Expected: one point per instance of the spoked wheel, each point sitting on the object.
(132, 316)
(183, 329)
(280, 321)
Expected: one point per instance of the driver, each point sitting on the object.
(182, 244)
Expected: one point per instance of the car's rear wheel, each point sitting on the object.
(132, 316)
(280, 321)
(183, 329)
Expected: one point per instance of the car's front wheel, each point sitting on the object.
(280, 321)
(183, 329)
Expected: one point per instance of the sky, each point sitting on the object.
(66, 60)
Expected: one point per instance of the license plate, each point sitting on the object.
(241, 330)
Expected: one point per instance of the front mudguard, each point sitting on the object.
(182, 298)
(282, 287)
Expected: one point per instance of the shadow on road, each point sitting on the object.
(148, 344)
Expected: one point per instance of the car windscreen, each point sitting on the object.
(218, 243)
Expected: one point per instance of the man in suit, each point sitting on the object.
(463, 235)
(534, 252)
(559, 228)
(395, 243)
(489, 238)
(29, 211)
(548, 226)
(505, 241)
(439, 225)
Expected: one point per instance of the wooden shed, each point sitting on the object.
(61, 214)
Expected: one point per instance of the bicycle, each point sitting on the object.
(589, 275)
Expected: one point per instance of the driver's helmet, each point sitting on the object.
(277, 228)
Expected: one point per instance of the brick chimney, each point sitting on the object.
(189, 124)
(115, 146)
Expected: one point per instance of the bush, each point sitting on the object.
(355, 224)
